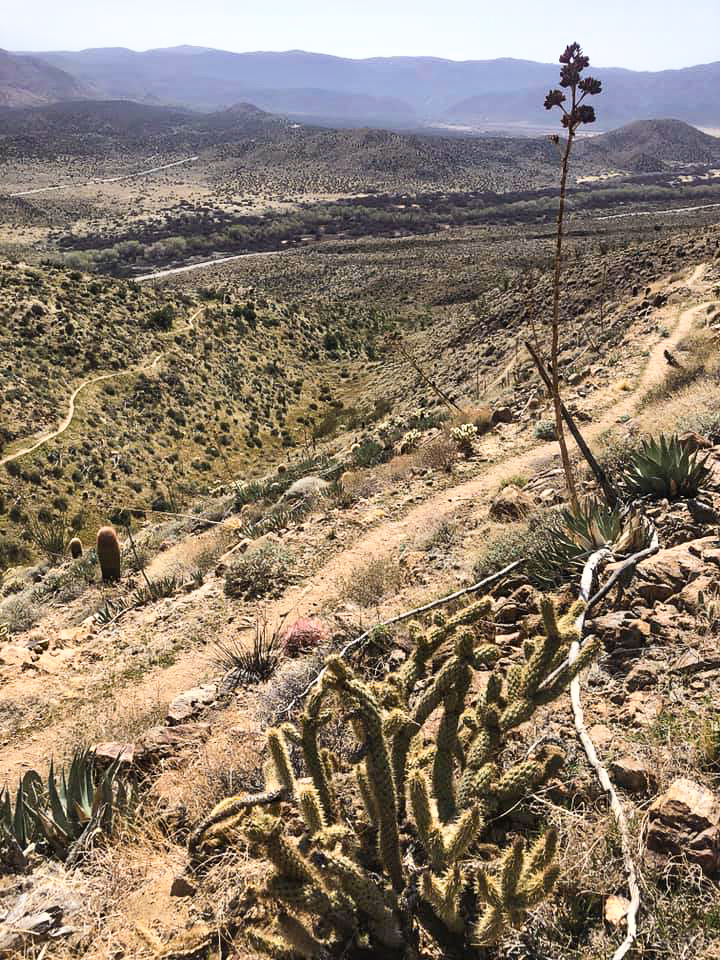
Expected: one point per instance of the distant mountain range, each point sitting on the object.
(394, 91)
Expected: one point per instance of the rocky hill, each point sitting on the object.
(28, 81)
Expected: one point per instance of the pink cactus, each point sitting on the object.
(305, 635)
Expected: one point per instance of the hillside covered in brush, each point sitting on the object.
(178, 392)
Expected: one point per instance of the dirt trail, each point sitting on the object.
(96, 181)
(68, 419)
(193, 665)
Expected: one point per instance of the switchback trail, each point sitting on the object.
(68, 419)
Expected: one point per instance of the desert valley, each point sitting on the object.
(359, 507)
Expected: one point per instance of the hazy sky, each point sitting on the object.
(640, 34)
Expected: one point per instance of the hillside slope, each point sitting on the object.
(27, 81)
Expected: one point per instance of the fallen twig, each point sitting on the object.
(589, 747)
(487, 582)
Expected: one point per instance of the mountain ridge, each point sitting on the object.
(472, 91)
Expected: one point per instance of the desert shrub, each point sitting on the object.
(439, 454)
(369, 454)
(546, 430)
(57, 814)
(12, 552)
(264, 571)
(370, 581)
(245, 665)
(355, 832)
(20, 611)
(51, 533)
(556, 543)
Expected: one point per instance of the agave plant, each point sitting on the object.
(569, 539)
(71, 806)
(665, 469)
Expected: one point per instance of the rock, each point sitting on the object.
(122, 753)
(165, 741)
(644, 708)
(506, 612)
(191, 703)
(502, 415)
(620, 629)
(601, 735)
(693, 442)
(643, 675)
(306, 487)
(56, 661)
(685, 822)
(698, 590)
(633, 775)
(669, 571)
(616, 909)
(181, 887)
(511, 503)
(13, 655)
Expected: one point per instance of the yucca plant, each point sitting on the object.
(243, 665)
(71, 806)
(663, 468)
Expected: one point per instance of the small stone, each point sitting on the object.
(181, 887)
(633, 775)
(616, 909)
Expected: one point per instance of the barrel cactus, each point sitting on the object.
(76, 548)
(108, 552)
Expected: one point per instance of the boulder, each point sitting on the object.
(191, 703)
(620, 630)
(502, 415)
(685, 822)
(511, 503)
(692, 442)
(667, 572)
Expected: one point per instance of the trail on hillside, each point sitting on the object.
(68, 419)
(309, 597)
(97, 181)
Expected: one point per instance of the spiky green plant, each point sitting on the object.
(664, 468)
(569, 539)
(72, 805)
(390, 846)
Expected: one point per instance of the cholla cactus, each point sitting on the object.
(465, 436)
(367, 852)
(409, 441)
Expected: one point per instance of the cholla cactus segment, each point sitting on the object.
(465, 436)
(520, 882)
(367, 848)
(409, 441)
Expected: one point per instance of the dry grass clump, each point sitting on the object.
(438, 454)
(370, 581)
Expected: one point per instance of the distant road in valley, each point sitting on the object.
(98, 180)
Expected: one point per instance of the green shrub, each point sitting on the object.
(264, 571)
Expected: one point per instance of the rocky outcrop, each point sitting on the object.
(685, 823)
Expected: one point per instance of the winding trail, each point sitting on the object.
(68, 419)
(307, 598)
(99, 180)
